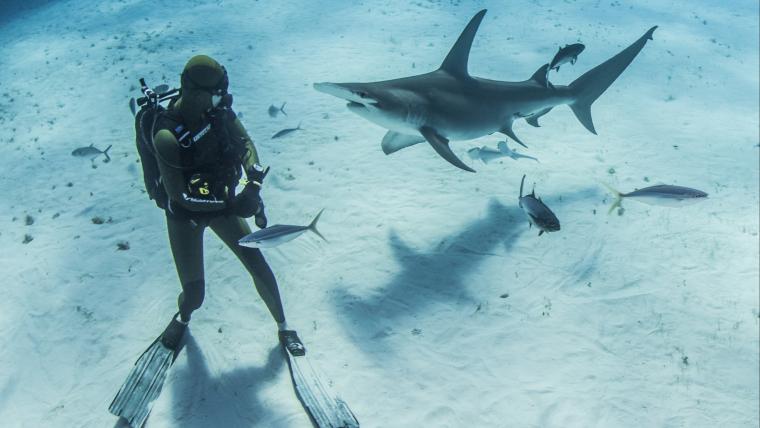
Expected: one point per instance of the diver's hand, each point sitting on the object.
(256, 174)
(261, 218)
(247, 203)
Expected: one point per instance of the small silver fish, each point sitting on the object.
(662, 194)
(133, 106)
(273, 111)
(277, 234)
(567, 54)
(91, 152)
(287, 131)
(537, 212)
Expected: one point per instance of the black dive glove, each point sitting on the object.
(248, 202)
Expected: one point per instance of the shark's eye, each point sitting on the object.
(362, 94)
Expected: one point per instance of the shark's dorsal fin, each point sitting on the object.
(456, 61)
(540, 76)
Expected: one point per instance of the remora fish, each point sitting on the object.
(274, 110)
(537, 212)
(277, 234)
(485, 154)
(285, 132)
(662, 194)
(503, 148)
(567, 54)
(450, 104)
(91, 152)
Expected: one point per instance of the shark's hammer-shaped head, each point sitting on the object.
(385, 106)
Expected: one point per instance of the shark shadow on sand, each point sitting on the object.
(426, 279)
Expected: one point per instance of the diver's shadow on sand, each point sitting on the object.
(427, 278)
(226, 400)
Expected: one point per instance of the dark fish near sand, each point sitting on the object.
(277, 234)
(537, 212)
(662, 194)
(133, 106)
(285, 132)
(91, 152)
(273, 111)
(567, 54)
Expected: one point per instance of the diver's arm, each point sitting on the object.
(251, 156)
(168, 157)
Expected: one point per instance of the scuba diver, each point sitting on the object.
(201, 150)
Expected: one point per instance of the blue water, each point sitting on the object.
(434, 303)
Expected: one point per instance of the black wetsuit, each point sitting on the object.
(188, 215)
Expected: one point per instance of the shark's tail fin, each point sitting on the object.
(618, 197)
(313, 225)
(105, 152)
(594, 82)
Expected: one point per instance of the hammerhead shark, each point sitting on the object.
(450, 104)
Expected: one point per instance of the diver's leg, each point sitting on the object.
(186, 240)
(230, 229)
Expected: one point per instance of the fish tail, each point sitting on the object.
(282, 109)
(313, 226)
(105, 152)
(618, 197)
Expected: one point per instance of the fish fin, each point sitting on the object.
(530, 225)
(507, 130)
(618, 197)
(457, 58)
(521, 185)
(540, 76)
(313, 225)
(282, 109)
(105, 152)
(557, 69)
(441, 146)
(394, 141)
(540, 233)
(594, 82)
(572, 61)
(299, 125)
(533, 120)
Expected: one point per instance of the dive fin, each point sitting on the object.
(594, 82)
(441, 146)
(133, 106)
(313, 225)
(394, 141)
(457, 58)
(540, 76)
(507, 130)
(618, 197)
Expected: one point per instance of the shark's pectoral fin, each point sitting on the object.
(533, 120)
(441, 146)
(393, 141)
(507, 130)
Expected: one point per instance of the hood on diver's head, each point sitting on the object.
(203, 81)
